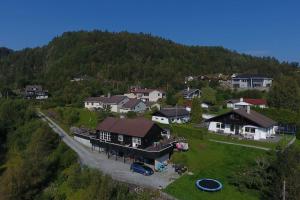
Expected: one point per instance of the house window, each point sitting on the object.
(137, 140)
(220, 125)
(250, 130)
(120, 138)
(158, 94)
(105, 136)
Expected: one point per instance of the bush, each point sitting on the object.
(131, 114)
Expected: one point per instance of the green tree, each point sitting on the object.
(285, 93)
(208, 95)
(196, 112)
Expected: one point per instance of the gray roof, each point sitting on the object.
(33, 88)
(107, 100)
(172, 112)
(131, 103)
(251, 76)
(186, 92)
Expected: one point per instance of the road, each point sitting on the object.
(118, 170)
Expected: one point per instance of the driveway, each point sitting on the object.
(118, 170)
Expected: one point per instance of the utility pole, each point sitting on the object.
(283, 192)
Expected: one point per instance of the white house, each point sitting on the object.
(244, 102)
(171, 115)
(244, 122)
(251, 81)
(151, 95)
(114, 103)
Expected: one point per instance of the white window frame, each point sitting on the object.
(137, 140)
(105, 136)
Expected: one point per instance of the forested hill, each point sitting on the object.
(5, 51)
(125, 58)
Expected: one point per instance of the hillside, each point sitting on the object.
(5, 51)
(125, 57)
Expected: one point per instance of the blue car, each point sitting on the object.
(141, 168)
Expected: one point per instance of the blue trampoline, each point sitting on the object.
(209, 185)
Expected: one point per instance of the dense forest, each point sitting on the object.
(113, 61)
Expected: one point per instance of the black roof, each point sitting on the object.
(171, 112)
(251, 76)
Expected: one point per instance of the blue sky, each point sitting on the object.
(257, 27)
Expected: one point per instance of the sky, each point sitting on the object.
(256, 27)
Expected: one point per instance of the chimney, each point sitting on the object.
(188, 88)
(241, 99)
(108, 95)
(248, 109)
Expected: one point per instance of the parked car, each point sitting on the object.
(141, 168)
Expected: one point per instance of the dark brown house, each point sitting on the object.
(129, 138)
(137, 133)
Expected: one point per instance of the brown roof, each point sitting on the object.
(107, 100)
(131, 103)
(138, 127)
(256, 117)
(253, 116)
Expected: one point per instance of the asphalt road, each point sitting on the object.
(118, 170)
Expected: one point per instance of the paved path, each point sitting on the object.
(242, 145)
(291, 142)
(116, 169)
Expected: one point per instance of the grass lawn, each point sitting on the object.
(211, 160)
(87, 118)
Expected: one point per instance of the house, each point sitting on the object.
(114, 103)
(133, 105)
(129, 138)
(251, 81)
(151, 95)
(244, 102)
(190, 93)
(171, 115)
(35, 92)
(244, 122)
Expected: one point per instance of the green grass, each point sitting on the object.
(213, 160)
(87, 118)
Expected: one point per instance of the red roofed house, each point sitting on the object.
(243, 103)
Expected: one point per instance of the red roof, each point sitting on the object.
(256, 101)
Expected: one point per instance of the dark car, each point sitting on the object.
(141, 168)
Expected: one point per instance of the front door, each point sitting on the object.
(237, 130)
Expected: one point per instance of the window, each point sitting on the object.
(220, 125)
(137, 140)
(250, 130)
(158, 94)
(120, 138)
(105, 136)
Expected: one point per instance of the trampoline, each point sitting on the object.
(209, 185)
